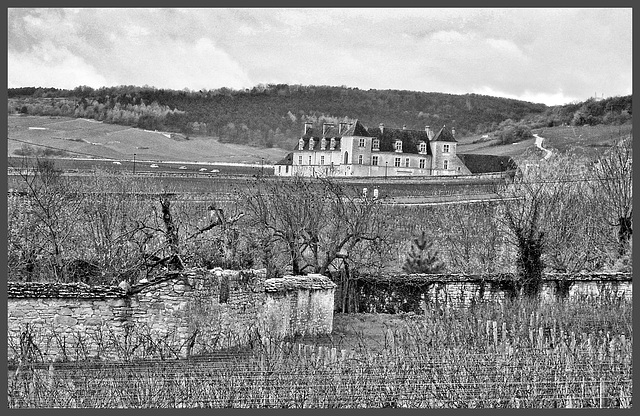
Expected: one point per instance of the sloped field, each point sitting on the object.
(102, 140)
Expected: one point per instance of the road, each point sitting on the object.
(539, 141)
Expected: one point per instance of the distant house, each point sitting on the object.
(350, 149)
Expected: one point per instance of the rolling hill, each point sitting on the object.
(89, 138)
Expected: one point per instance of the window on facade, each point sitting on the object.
(445, 148)
(399, 146)
(374, 160)
(299, 160)
(375, 145)
(309, 159)
(322, 160)
(422, 163)
(361, 142)
(406, 162)
(359, 159)
(279, 169)
(423, 147)
(397, 162)
(286, 169)
(445, 164)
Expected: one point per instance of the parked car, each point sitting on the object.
(117, 163)
(182, 168)
(203, 169)
(153, 165)
(214, 171)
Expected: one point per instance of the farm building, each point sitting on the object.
(350, 149)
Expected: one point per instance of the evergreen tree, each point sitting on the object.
(422, 258)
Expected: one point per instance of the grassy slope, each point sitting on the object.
(120, 142)
(588, 139)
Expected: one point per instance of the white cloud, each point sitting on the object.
(547, 55)
(549, 98)
(46, 66)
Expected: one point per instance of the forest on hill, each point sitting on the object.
(273, 115)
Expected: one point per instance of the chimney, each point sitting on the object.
(453, 131)
(427, 129)
(404, 127)
(307, 126)
(381, 128)
(325, 127)
(342, 127)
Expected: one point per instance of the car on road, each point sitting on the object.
(214, 171)
(117, 163)
(153, 165)
(182, 168)
(203, 169)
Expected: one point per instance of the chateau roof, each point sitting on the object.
(356, 129)
(444, 135)
(411, 139)
(287, 160)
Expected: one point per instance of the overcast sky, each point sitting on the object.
(546, 55)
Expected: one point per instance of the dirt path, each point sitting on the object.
(538, 143)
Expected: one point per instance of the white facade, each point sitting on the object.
(374, 153)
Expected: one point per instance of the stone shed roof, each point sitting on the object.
(290, 283)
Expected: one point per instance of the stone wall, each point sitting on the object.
(413, 293)
(178, 315)
(301, 305)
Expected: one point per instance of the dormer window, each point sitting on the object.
(332, 144)
(398, 145)
(375, 144)
(301, 144)
(311, 144)
(423, 147)
(323, 144)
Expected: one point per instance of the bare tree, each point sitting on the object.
(49, 204)
(527, 203)
(614, 187)
(551, 214)
(317, 221)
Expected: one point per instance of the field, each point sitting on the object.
(586, 139)
(89, 138)
(514, 355)
(109, 141)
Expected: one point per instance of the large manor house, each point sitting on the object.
(350, 149)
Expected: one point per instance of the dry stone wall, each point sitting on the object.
(415, 292)
(178, 315)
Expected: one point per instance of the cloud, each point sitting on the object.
(46, 65)
(540, 53)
